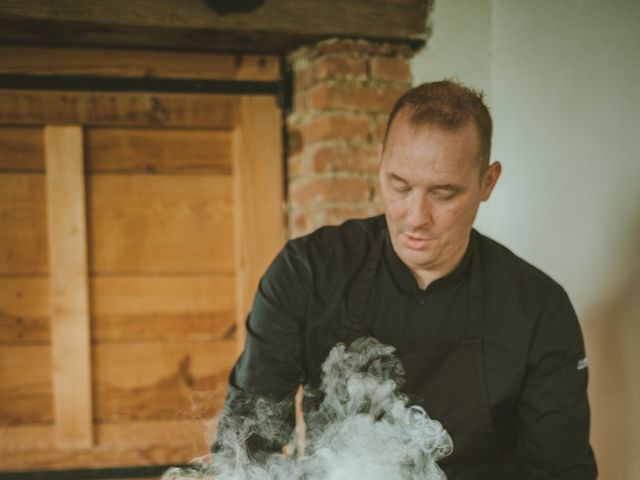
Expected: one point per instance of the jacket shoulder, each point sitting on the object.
(509, 271)
(350, 239)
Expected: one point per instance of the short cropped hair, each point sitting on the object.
(448, 104)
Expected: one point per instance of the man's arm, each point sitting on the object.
(262, 384)
(553, 423)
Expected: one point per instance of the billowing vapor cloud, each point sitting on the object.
(363, 429)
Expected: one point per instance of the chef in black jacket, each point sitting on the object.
(491, 345)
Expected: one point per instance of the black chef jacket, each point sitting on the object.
(533, 351)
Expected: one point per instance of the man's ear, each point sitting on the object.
(489, 179)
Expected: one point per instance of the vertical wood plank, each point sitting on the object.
(259, 198)
(69, 303)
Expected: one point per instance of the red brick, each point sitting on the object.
(318, 190)
(302, 79)
(300, 102)
(295, 144)
(335, 158)
(339, 68)
(394, 69)
(333, 75)
(304, 221)
(336, 126)
(299, 223)
(360, 47)
(353, 97)
(296, 165)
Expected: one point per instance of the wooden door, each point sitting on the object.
(133, 230)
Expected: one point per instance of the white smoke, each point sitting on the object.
(363, 429)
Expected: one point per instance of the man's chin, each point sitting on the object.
(416, 257)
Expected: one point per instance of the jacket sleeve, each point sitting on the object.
(553, 420)
(259, 409)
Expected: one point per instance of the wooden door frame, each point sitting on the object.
(260, 225)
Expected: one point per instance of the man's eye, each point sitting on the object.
(445, 195)
(401, 188)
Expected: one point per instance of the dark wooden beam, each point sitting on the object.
(278, 26)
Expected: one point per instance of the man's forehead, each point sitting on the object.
(406, 131)
(446, 152)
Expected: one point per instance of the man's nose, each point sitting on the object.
(420, 211)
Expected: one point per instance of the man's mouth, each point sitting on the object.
(414, 242)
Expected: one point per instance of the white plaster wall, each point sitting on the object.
(565, 79)
(563, 82)
(459, 45)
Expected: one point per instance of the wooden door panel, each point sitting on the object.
(21, 149)
(24, 310)
(25, 384)
(160, 224)
(163, 307)
(167, 380)
(168, 151)
(184, 210)
(23, 230)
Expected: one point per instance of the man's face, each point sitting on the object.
(432, 185)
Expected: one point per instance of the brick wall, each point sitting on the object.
(343, 91)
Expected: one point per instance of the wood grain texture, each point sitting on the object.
(26, 392)
(114, 435)
(195, 432)
(70, 343)
(24, 311)
(150, 380)
(150, 224)
(218, 325)
(167, 151)
(129, 308)
(21, 149)
(131, 63)
(23, 225)
(360, 17)
(118, 109)
(32, 447)
(125, 309)
(260, 220)
(161, 380)
(278, 26)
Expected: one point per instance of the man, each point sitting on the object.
(491, 345)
